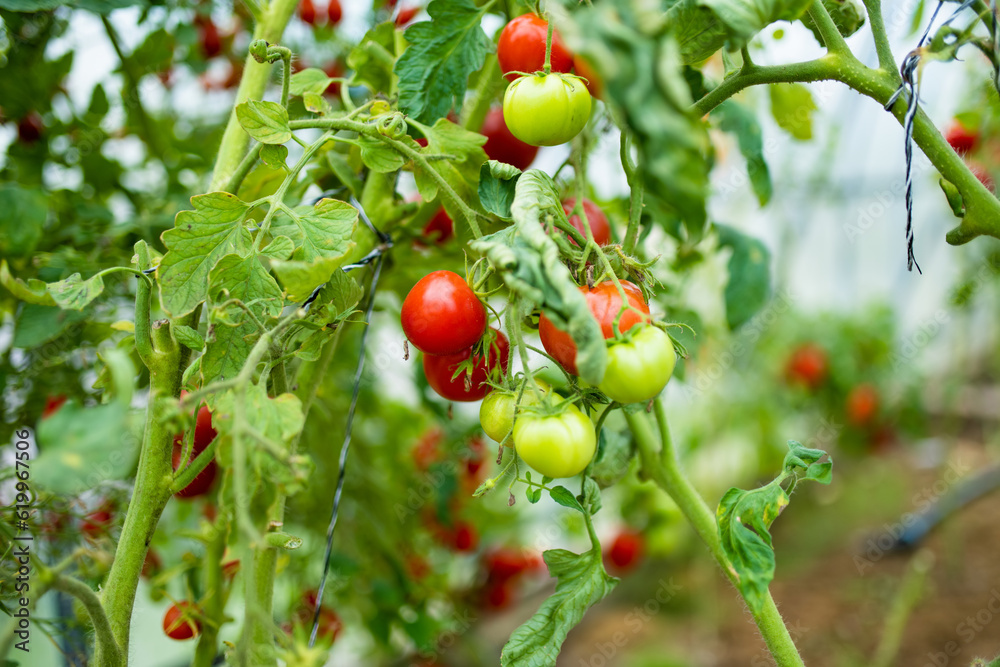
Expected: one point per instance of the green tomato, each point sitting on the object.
(639, 367)
(496, 415)
(558, 445)
(546, 110)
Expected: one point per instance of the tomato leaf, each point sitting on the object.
(280, 247)
(735, 118)
(274, 155)
(529, 262)
(267, 122)
(434, 70)
(745, 518)
(188, 337)
(372, 59)
(749, 285)
(74, 293)
(198, 240)
(34, 291)
(847, 15)
(460, 170)
(379, 157)
(309, 80)
(565, 497)
(497, 182)
(792, 106)
(582, 583)
(320, 231)
(23, 212)
(745, 18)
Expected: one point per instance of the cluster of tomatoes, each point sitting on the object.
(308, 14)
(542, 106)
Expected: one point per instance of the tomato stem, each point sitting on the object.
(550, 30)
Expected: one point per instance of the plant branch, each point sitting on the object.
(886, 61)
(92, 603)
(832, 38)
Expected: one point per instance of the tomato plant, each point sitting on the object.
(464, 376)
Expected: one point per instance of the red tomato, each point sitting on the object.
(595, 216)
(464, 537)
(522, 47)
(592, 78)
(499, 594)
(626, 549)
(442, 315)
(202, 483)
(440, 369)
(808, 366)
(406, 15)
(474, 462)
(335, 71)
(961, 138)
(428, 448)
(329, 622)
(440, 228)
(506, 563)
(180, 622)
(307, 12)
(204, 432)
(211, 43)
(98, 523)
(605, 303)
(503, 146)
(862, 404)
(29, 128)
(334, 13)
(52, 405)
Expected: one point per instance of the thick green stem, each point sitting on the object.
(150, 496)
(235, 141)
(832, 38)
(214, 604)
(665, 471)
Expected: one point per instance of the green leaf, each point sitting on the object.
(198, 240)
(267, 122)
(735, 118)
(565, 497)
(74, 293)
(80, 447)
(372, 59)
(460, 171)
(644, 84)
(30, 6)
(23, 212)
(745, 519)
(156, 52)
(280, 247)
(316, 103)
(698, 31)
(497, 182)
(615, 451)
(301, 278)
(379, 157)
(591, 498)
(309, 80)
(847, 15)
(434, 70)
(792, 106)
(745, 18)
(245, 279)
(34, 291)
(529, 262)
(337, 300)
(37, 325)
(582, 583)
(274, 155)
(323, 230)
(749, 285)
(188, 337)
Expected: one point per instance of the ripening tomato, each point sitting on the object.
(498, 594)
(626, 549)
(506, 563)
(29, 128)
(559, 445)
(98, 523)
(464, 537)
(52, 405)
(503, 146)
(521, 47)
(181, 622)
(335, 71)
(442, 315)
(427, 449)
(590, 76)
(546, 110)
(640, 367)
(329, 622)
(406, 15)
(334, 12)
(307, 12)
(439, 370)
(440, 228)
(476, 457)
(211, 42)
(862, 404)
(605, 303)
(496, 415)
(202, 482)
(595, 218)
(961, 138)
(808, 365)
(204, 432)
